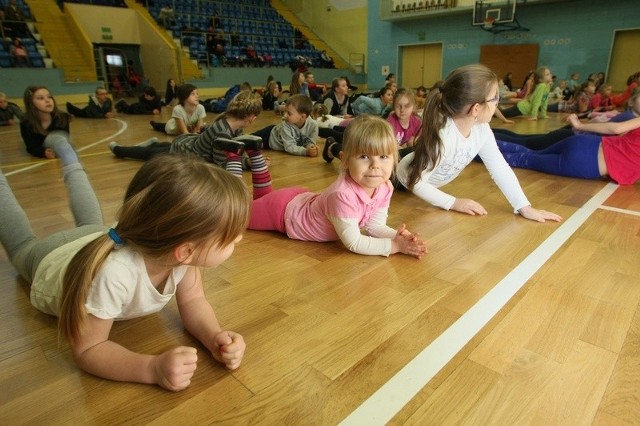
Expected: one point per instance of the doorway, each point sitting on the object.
(421, 65)
(120, 68)
(625, 58)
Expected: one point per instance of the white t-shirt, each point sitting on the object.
(458, 152)
(190, 120)
(120, 290)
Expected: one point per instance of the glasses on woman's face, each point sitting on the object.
(495, 99)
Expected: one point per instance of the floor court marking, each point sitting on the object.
(387, 401)
(618, 210)
(6, 132)
(122, 129)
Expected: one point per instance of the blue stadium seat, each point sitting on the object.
(5, 60)
(36, 60)
(255, 21)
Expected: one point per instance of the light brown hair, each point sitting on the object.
(301, 103)
(465, 86)
(172, 199)
(243, 105)
(368, 134)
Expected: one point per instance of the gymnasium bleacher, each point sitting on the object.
(24, 31)
(255, 23)
(241, 24)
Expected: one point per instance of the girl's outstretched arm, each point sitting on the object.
(227, 347)
(382, 240)
(96, 354)
(607, 128)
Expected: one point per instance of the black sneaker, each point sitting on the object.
(113, 146)
(251, 142)
(325, 150)
(229, 145)
(157, 126)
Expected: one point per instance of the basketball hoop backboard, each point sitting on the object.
(502, 12)
(496, 16)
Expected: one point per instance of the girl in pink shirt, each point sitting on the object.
(358, 199)
(406, 124)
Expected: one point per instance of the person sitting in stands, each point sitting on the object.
(252, 55)
(14, 25)
(166, 16)
(327, 61)
(13, 12)
(19, 54)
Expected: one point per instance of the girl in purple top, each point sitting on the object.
(358, 199)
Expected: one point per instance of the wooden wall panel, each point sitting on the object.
(516, 58)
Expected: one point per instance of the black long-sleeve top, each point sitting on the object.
(34, 140)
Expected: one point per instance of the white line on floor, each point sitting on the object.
(109, 138)
(617, 210)
(387, 401)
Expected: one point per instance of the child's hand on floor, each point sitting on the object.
(173, 369)
(230, 349)
(408, 243)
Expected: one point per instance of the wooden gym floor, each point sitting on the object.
(505, 321)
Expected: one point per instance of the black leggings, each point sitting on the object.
(535, 142)
(265, 133)
(142, 152)
(511, 112)
(334, 133)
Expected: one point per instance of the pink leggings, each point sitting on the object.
(267, 212)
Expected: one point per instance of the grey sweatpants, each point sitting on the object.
(24, 249)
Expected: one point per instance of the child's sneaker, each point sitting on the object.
(325, 150)
(229, 145)
(112, 146)
(157, 126)
(251, 142)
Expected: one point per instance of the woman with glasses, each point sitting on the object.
(455, 128)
